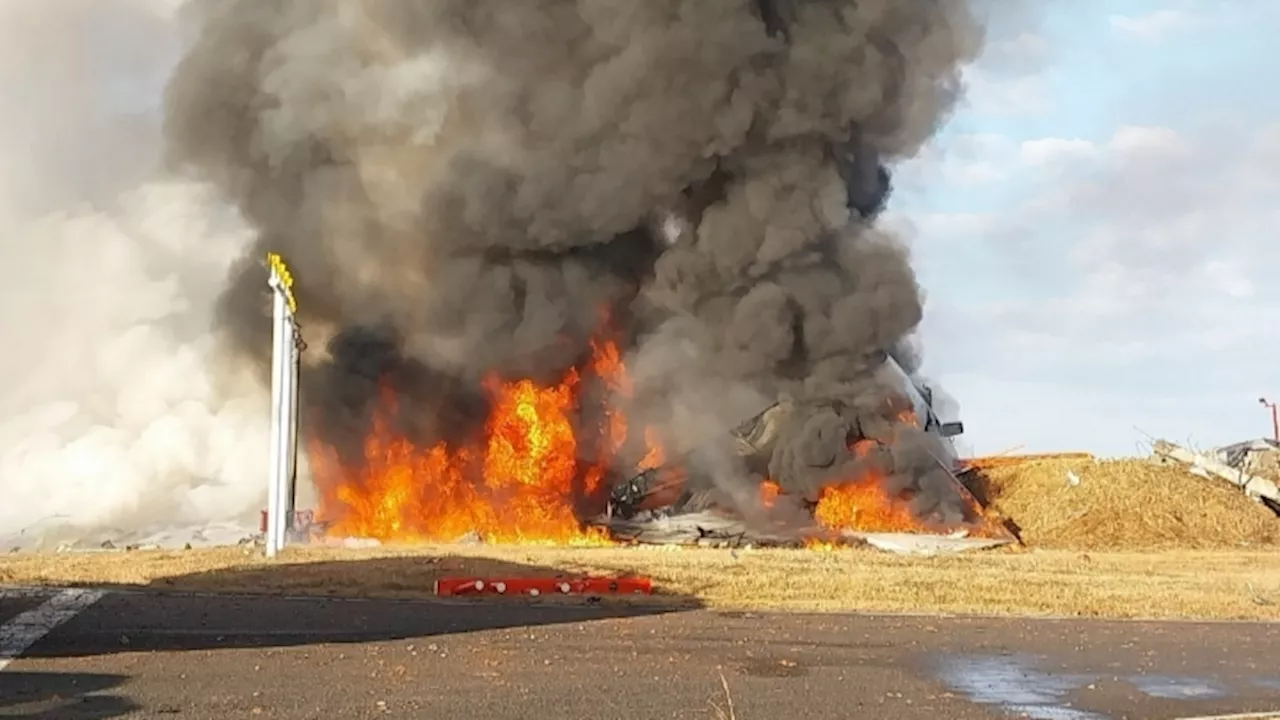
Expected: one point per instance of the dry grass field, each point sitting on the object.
(1116, 539)
(1172, 584)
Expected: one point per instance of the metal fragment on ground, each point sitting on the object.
(710, 528)
(929, 545)
(698, 528)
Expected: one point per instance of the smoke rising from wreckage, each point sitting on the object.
(484, 202)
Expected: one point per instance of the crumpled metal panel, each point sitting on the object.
(929, 545)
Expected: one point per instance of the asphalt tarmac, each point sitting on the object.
(79, 655)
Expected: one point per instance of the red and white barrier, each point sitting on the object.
(535, 587)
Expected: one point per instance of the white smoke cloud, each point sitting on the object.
(111, 412)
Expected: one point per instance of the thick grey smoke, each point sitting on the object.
(465, 186)
(108, 413)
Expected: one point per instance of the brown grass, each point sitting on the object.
(1125, 505)
(1222, 585)
(1131, 539)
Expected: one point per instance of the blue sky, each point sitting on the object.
(1094, 228)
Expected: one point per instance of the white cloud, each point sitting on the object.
(965, 160)
(1154, 26)
(1269, 140)
(1147, 269)
(988, 94)
(1132, 139)
(950, 228)
(1021, 54)
(1049, 151)
(1229, 278)
(1007, 78)
(977, 158)
(962, 225)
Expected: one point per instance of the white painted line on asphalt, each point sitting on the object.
(25, 630)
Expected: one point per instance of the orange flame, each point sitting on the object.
(606, 362)
(655, 454)
(522, 485)
(608, 365)
(769, 492)
(864, 506)
(861, 505)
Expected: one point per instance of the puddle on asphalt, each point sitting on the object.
(1171, 687)
(1012, 684)
(1267, 683)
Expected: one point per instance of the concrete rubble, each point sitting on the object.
(1232, 464)
(1259, 457)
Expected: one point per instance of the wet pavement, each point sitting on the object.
(187, 656)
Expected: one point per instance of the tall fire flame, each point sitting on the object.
(525, 483)
(863, 503)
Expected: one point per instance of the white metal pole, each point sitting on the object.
(285, 422)
(279, 356)
(295, 369)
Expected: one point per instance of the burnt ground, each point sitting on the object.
(186, 656)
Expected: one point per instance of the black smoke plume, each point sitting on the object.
(462, 186)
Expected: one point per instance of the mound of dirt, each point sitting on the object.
(1087, 504)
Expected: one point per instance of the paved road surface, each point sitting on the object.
(194, 657)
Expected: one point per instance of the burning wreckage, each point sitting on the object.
(668, 504)
(540, 278)
(402, 493)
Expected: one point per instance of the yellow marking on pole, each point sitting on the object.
(278, 266)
